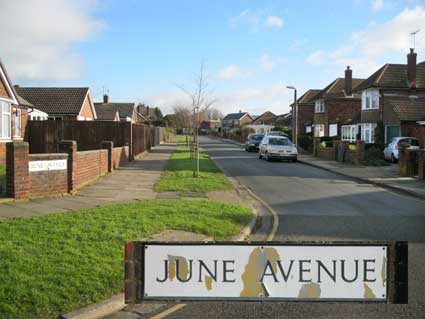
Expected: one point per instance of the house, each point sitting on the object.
(337, 108)
(13, 113)
(285, 120)
(263, 123)
(148, 112)
(305, 111)
(235, 120)
(114, 111)
(393, 95)
(208, 126)
(60, 103)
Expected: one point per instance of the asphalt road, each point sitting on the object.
(314, 204)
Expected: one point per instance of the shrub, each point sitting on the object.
(374, 156)
(305, 141)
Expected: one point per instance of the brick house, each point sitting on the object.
(263, 123)
(208, 126)
(235, 120)
(306, 111)
(337, 108)
(13, 113)
(393, 95)
(118, 111)
(63, 103)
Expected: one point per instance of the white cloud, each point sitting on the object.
(273, 21)
(377, 44)
(377, 5)
(229, 72)
(266, 62)
(36, 37)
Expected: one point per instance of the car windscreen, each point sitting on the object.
(256, 138)
(279, 141)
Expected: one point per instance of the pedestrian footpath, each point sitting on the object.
(132, 181)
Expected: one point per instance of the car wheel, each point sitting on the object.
(393, 159)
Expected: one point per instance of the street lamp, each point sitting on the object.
(294, 116)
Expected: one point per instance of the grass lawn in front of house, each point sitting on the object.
(2, 180)
(178, 175)
(56, 263)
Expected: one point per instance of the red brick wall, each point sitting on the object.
(415, 130)
(119, 155)
(326, 153)
(342, 111)
(90, 165)
(47, 183)
(305, 114)
(2, 153)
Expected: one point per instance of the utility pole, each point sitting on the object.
(294, 116)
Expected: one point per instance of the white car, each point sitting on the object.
(391, 151)
(277, 147)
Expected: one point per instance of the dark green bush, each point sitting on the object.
(374, 156)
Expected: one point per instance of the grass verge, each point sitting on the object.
(178, 175)
(2, 180)
(56, 263)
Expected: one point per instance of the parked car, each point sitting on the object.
(391, 151)
(252, 143)
(277, 133)
(277, 147)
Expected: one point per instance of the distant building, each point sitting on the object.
(263, 123)
(235, 121)
(208, 126)
(118, 111)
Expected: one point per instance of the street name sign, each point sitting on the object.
(262, 271)
(52, 165)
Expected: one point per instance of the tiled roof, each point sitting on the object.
(124, 109)
(394, 76)
(234, 116)
(267, 118)
(308, 96)
(105, 112)
(284, 119)
(54, 100)
(409, 109)
(336, 89)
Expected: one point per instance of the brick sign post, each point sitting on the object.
(17, 175)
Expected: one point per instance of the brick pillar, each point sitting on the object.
(360, 152)
(421, 164)
(70, 147)
(17, 171)
(316, 142)
(109, 145)
(403, 159)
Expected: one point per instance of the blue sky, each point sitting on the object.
(143, 50)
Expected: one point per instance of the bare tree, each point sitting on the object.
(200, 102)
(214, 113)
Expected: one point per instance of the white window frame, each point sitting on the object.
(349, 133)
(370, 100)
(368, 132)
(319, 130)
(333, 129)
(3, 115)
(308, 129)
(319, 106)
(17, 123)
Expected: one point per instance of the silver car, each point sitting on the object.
(277, 147)
(391, 151)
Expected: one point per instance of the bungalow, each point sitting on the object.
(13, 113)
(113, 111)
(235, 120)
(284, 120)
(394, 96)
(305, 111)
(337, 108)
(263, 123)
(64, 103)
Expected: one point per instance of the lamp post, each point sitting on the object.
(294, 116)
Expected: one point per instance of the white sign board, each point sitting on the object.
(53, 165)
(298, 272)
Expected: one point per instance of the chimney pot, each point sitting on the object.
(411, 68)
(105, 98)
(348, 81)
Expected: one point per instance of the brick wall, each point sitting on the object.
(119, 155)
(326, 153)
(305, 114)
(343, 111)
(89, 166)
(2, 153)
(415, 130)
(47, 183)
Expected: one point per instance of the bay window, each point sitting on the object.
(4, 120)
(368, 132)
(370, 100)
(320, 106)
(319, 130)
(349, 133)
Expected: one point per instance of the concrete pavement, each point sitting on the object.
(133, 181)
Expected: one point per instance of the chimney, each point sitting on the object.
(105, 98)
(348, 82)
(411, 68)
(240, 111)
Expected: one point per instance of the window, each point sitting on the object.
(4, 120)
(370, 100)
(319, 130)
(333, 129)
(349, 133)
(308, 129)
(320, 106)
(368, 132)
(17, 122)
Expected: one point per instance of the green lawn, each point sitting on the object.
(2, 179)
(59, 262)
(178, 175)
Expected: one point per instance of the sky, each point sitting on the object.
(146, 51)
